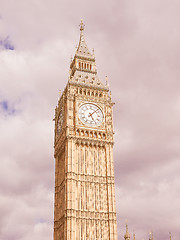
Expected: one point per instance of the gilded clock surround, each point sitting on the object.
(84, 172)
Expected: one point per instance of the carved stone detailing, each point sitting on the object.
(59, 144)
(84, 206)
(90, 143)
(91, 134)
(90, 84)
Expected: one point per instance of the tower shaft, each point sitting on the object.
(84, 172)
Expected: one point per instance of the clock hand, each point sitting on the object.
(94, 111)
(90, 115)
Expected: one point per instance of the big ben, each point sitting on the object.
(84, 206)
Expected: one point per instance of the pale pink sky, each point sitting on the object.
(137, 45)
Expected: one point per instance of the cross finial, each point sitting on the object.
(81, 25)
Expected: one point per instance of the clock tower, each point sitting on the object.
(84, 206)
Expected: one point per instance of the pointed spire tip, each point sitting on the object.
(81, 25)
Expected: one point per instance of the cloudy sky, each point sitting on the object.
(137, 45)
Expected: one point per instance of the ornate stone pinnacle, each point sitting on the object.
(127, 235)
(134, 236)
(81, 25)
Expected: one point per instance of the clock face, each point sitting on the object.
(60, 122)
(90, 114)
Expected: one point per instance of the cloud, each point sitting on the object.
(6, 108)
(137, 45)
(6, 44)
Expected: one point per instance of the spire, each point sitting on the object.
(83, 66)
(82, 49)
(170, 235)
(127, 235)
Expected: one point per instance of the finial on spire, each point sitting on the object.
(126, 219)
(59, 95)
(107, 83)
(134, 236)
(93, 51)
(170, 235)
(81, 25)
(127, 235)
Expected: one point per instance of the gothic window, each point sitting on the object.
(90, 66)
(79, 65)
